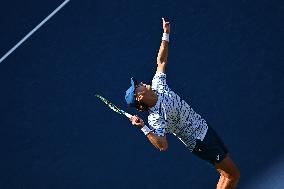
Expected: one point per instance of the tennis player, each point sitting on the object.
(168, 113)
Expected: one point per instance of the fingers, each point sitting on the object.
(133, 122)
(164, 22)
(134, 119)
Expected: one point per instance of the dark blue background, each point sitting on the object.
(225, 59)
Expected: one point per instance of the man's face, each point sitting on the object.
(142, 89)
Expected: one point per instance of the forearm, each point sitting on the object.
(159, 142)
(162, 57)
(163, 53)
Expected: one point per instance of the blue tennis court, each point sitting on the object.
(225, 59)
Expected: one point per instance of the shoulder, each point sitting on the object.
(153, 116)
(160, 75)
(159, 81)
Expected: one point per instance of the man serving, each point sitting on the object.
(168, 113)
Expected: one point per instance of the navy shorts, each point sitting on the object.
(212, 148)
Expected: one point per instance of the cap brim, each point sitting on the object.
(130, 93)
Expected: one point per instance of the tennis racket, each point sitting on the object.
(113, 107)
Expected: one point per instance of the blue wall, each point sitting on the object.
(225, 59)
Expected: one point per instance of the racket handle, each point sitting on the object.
(128, 115)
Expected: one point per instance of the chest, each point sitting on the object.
(169, 107)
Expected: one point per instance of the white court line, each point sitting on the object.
(36, 28)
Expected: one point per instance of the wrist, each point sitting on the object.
(146, 130)
(166, 37)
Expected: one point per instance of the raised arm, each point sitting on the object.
(163, 51)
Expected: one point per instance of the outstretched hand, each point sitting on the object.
(136, 121)
(166, 26)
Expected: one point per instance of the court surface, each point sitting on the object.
(225, 60)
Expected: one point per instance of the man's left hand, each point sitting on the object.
(166, 26)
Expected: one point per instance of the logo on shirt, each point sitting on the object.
(218, 158)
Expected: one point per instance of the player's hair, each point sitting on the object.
(141, 107)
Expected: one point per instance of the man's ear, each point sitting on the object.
(140, 96)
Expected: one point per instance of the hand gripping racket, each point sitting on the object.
(113, 107)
